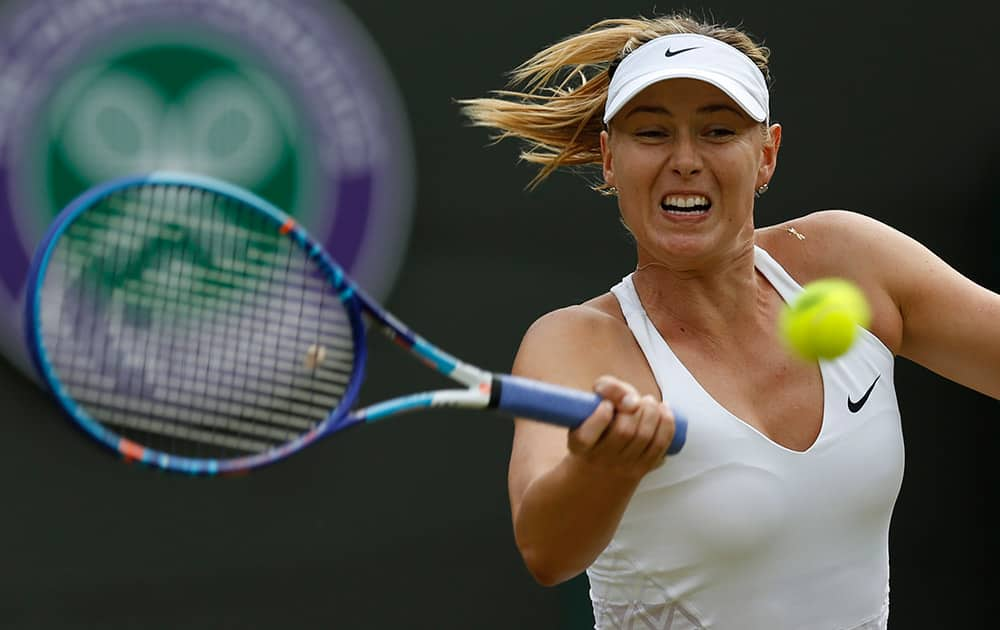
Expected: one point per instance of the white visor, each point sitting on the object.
(689, 56)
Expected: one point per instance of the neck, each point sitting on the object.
(713, 299)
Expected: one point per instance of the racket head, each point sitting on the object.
(177, 451)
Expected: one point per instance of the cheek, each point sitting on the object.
(635, 167)
(738, 173)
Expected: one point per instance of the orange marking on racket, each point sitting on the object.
(287, 226)
(401, 341)
(130, 450)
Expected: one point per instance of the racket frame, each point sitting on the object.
(514, 395)
(478, 382)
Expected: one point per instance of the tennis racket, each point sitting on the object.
(188, 324)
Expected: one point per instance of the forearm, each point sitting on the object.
(567, 516)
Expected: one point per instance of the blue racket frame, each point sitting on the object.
(515, 395)
(338, 417)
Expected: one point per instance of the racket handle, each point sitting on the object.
(555, 404)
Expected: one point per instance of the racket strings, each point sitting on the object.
(187, 323)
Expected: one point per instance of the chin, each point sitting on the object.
(686, 245)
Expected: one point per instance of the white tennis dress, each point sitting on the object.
(739, 533)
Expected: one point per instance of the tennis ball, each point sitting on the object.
(822, 322)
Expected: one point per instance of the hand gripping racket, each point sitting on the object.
(190, 325)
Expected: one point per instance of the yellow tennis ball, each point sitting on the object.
(822, 322)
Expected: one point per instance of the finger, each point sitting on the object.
(584, 437)
(665, 429)
(629, 432)
(620, 432)
(647, 420)
(622, 394)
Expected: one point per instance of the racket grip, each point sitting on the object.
(555, 404)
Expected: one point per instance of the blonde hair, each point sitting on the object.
(558, 110)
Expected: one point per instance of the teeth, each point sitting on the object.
(685, 201)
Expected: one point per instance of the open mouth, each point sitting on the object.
(686, 204)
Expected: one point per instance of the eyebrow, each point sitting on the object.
(707, 109)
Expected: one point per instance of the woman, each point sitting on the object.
(776, 512)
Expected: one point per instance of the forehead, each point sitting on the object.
(677, 95)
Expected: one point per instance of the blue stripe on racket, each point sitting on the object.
(187, 324)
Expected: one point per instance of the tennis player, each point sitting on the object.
(776, 513)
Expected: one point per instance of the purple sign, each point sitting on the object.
(290, 100)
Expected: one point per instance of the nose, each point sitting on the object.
(685, 160)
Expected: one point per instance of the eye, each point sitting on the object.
(651, 133)
(720, 132)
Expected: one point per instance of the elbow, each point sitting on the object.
(545, 570)
(544, 577)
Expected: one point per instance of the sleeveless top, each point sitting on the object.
(739, 533)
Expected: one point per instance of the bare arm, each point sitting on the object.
(950, 324)
(924, 309)
(568, 490)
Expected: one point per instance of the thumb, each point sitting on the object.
(624, 396)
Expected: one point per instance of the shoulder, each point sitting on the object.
(849, 245)
(575, 344)
(587, 324)
(831, 242)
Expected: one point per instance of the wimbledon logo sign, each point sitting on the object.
(290, 100)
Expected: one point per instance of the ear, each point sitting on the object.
(769, 155)
(609, 173)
